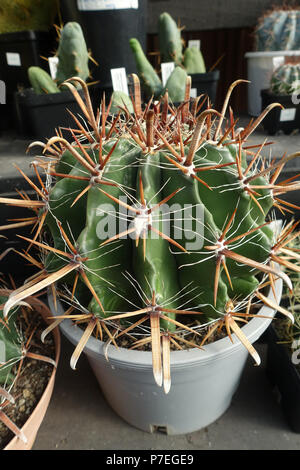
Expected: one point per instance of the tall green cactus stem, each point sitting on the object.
(176, 84)
(72, 53)
(285, 80)
(170, 42)
(150, 80)
(279, 30)
(158, 219)
(193, 60)
(41, 81)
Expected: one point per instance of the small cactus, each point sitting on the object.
(155, 220)
(41, 81)
(285, 79)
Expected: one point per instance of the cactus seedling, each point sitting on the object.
(156, 220)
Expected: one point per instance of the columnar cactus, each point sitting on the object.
(279, 30)
(73, 58)
(155, 220)
(285, 79)
(189, 61)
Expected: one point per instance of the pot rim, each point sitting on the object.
(143, 359)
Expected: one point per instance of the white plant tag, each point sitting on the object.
(194, 43)
(193, 93)
(119, 80)
(53, 63)
(277, 61)
(166, 70)
(288, 114)
(13, 58)
(98, 5)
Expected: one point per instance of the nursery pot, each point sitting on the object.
(32, 425)
(284, 375)
(40, 114)
(260, 66)
(287, 119)
(206, 83)
(203, 381)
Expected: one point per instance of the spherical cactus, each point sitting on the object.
(285, 79)
(156, 222)
(279, 30)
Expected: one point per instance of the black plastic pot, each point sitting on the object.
(107, 34)
(284, 375)
(206, 83)
(286, 120)
(27, 48)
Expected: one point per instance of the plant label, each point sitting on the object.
(288, 114)
(193, 93)
(119, 80)
(53, 63)
(99, 5)
(194, 43)
(166, 70)
(13, 59)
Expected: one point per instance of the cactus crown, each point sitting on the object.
(285, 79)
(156, 223)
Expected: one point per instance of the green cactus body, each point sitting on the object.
(10, 344)
(193, 60)
(279, 30)
(24, 15)
(170, 42)
(176, 85)
(151, 82)
(285, 80)
(160, 217)
(41, 81)
(72, 53)
(120, 100)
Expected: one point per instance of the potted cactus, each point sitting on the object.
(39, 106)
(284, 88)
(187, 62)
(26, 372)
(161, 262)
(276, 38)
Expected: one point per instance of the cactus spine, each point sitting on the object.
(157, 220)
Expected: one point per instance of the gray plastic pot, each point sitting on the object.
(203, 381)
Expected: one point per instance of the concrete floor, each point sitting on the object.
(78, 417)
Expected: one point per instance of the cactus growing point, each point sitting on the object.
(156, 220)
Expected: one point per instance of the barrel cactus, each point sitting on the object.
(154, 224)
(285, 79)
(279, 30)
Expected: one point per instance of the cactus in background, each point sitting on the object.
(24, 15)
(156, 222)
(285, 79)
(170, 42)
(279, 30)
(150, 80)
(41, 81)
(73, 61)
(171, 50)
(72, 53)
